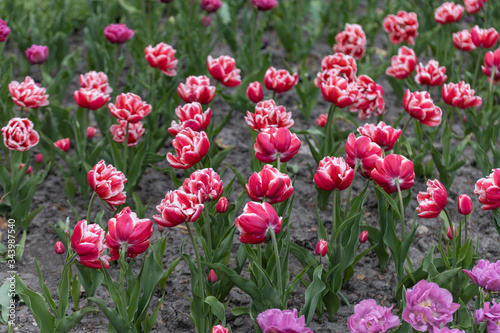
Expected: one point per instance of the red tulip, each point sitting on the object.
(460, 95)
(257, 219)
(63, 144)
(370, 98)
(338, 64)
(448, 12)
(322, 248)
(488, 190)
(205, 184)
(464, 204)
(401, 27)
(5, 30)
(420, 106)
(211, 5)
(431, 74)
(222, 205)
(224, 70)
(364, 151)
(484, 38)
(462, 40)
(88, 242)
(212, 277)
(280, 80)
(108, 183)
(351, 41)
(333, 173)
(448, 232)
(178, 207)
(135, 131)
(254, 92)
(363, 237)
(59, 248)
(220, 328)
(162, 56)
(268, 115)
(276, 143)
(474, 6)
(91, 99)
(403, 64)
(393, 168)
(95, 80)
(39, 158)
(264, 4)
(37, 54)
(28, 94)
(190, 115)
(19, 134)
(432, 202)
(118, 33)
(269, 185)
(91, 132)
(30, 168)
(383, 135)
(339, 91)
(190, 147)
(129, 107)
(126, 230)
(322, 119)
(196, 89)
(492, 65)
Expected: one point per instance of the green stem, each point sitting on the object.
(274, 96)
(466, 218)
(328, 131)
(89, 209)
(348, 202)
(206, 218)
(278, 264)
(334, 214)
(402, 210)
(453, 238)
(125, 152)
(278, 161)
(406, 124)
(198, 260)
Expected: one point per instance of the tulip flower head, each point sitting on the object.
(192, 116)
(491, 66)
(460, 95)
(363, 236)
(206, 184)
(322, 248)
(28, 94)
(269, 185)
(37, 54)
(464, 204)
(369, 317)
(268, 115)
(322, 119)
(190, 148)
(178, 207)
(276, 143)
(39, 158)
(490, 312)
(264, 5)
(95, 80)
(211, 5)
(63, 144)
(129, 107)
(91, 132)
(219, 328)
(212, 277)
(432, 202)
(118, 33)
(91, 99)
(370, 100)
(431, 74)
(88, 242)
(362, 151)
(383, 135)
(19, 134)
(280, 80)
(333, 173)
(448, 12)
(4, 31)
(59, 248)
(486, 275)
(462, 40)
(393, 170)
(474, 6)
(254, 92)
(222, 205)
(339, 91)
(351, 41)
(162, 56)
(420, 106)
(196, 89)
(488, 190)
(256, 221)
(485, 38)
(108, 183)
(403, 64)
(28, 171)
(401, 27)
(276, 320)
(338, 64)
(448, 232)
(119, 131)
(224, 70)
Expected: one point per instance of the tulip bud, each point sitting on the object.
(39, 158)
(464, 204)
(448, 232)
(30, 168)
(222, 205)
(91, 132)
(363, 237)
(205, 21)
(59, 248)
(161, 228)
(322, 248)
(212, 277)
(254, 92)
(37, 54)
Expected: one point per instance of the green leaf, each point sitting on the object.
(115, 319)
(45, 289)
(217, 308)
(67, 323)
(312, 295)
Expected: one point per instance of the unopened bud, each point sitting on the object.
(363, 237)
(222, 205)
(59, 248)
(322, 248)
(212, 277)
(448, 233)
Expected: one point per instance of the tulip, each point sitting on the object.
(448, 12)
(464, 204)
(276, 144)
(5, 30)
(37, 54)
(322, 248)
(257, 219)
(491, 66)
(212, 277)
(19, 134)
(224, 70)
(351, 41)
(95, 80)
(211, 5)
(401, 27)
(178, 207)
(129, 107)
(118, 33)
(254, 92)
(403, 64)
(339, 91)
(488, 190)
(392, 171)
(369, 317)
(190, 115)
(363, 237)
(196, 89)
(269, 185)
(264, 4)
(63, 144)
(322, 119)
(190, 147)
(39, 158)
(486, 275)
(370, 98)
(432, 202)
(162, 56)
(448, 233)
(474, 6)
(205, 21)
(420, 106)
(460, 95)
(484, 38)
(135, 131)
(59, 248)
(462, 40)
(280, 80)
(268, 115)
(276, 320)
(88, 242)
(28, 94)
(30, 168)
(338, 64)
(362, 152)
(205, 184)
(222, 205)
(91, 132)
(126, 231)
(108, 183)
(333, 173)
(91, 99)
(430, 74)
(383, 135)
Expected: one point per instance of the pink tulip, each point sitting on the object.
(363, 151)
(269, 185)
(178, 207)
(91, 132)
(420, 106)
(448, 12)
(256, 221)
(351, 41)
(391, 170)
(39, 158)
(162, 56)
(95, 80)
(211, 5)
(28, 94)
(222, 205)
(220, 329)
(383, 135)
(322, 119)
(205, 184)
(108, 183)
(333, 173)
(118, 33)
(401, 27)
(88, 242)
(403, 64)
(339, 91)
(363, 237)
(485, 38)
(190, 147)
(37, 54)
(464, 204)
(321, 248)
(254, 92)
(460, 95)
(276, 143)
(129, 107)
(264, 4)
(63, 144)
(488, 190)
(19, 134)
(268, 115)
(190, 115)
(224, 70)
(370, 98)
(338, 64)
(448, 232)
(431, 74)
(474, 6)
(212, 277)
(432, 202)
(492, 65)
(91, 99)
(59, 248)
(280, 80)
(135, 131)
(4, 30)
(196, 89)
(462, 40)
